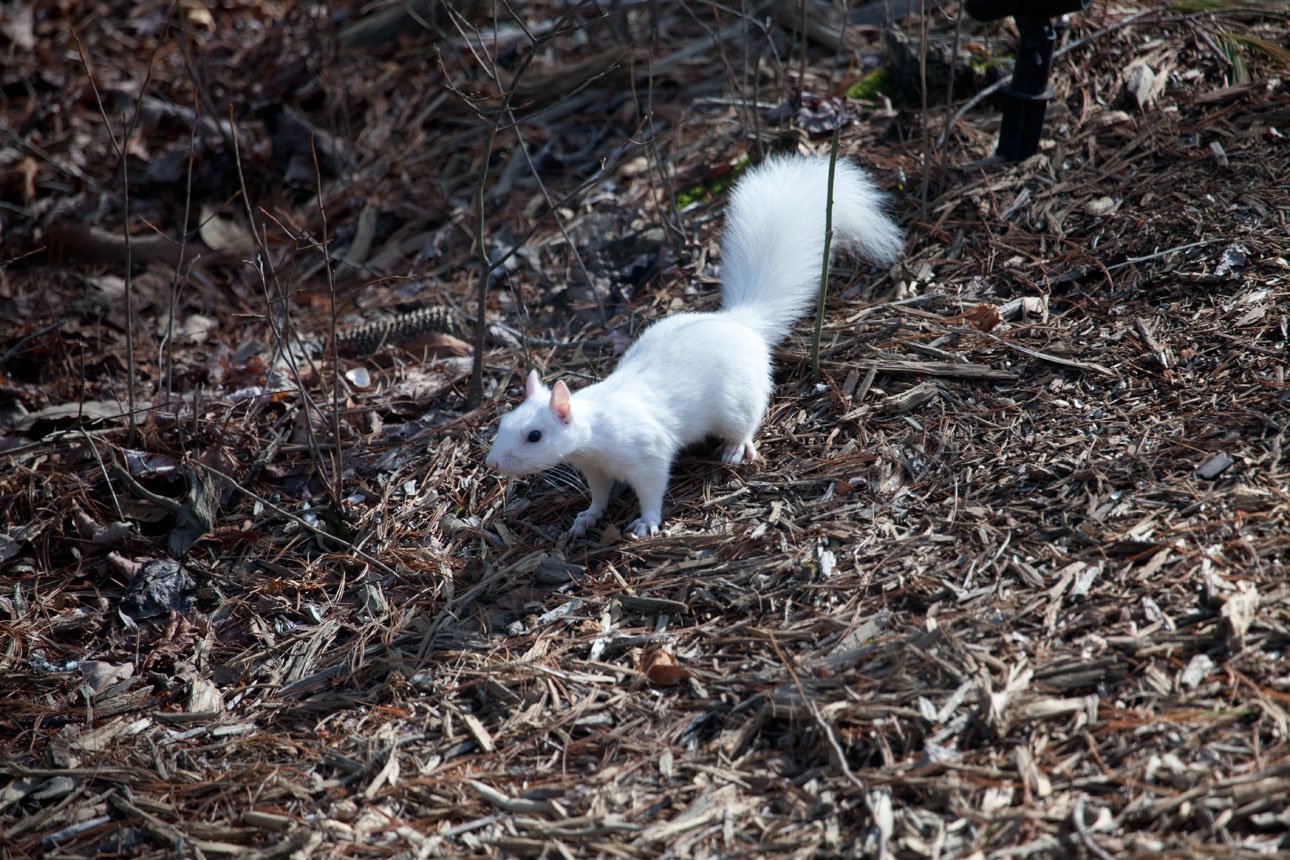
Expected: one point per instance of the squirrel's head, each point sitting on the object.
(536, 434)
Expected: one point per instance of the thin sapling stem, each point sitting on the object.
(824, 267)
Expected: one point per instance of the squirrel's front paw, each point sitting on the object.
(643, 528)
(582, 522)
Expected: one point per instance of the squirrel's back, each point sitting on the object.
(772, 250)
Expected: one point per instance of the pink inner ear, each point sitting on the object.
(532, 384)
(560, 402)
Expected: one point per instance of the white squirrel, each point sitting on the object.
(694, 375)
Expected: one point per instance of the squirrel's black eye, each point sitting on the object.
(535, 435)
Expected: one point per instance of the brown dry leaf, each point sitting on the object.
(983, 317)
(439, 345)
(661, 668)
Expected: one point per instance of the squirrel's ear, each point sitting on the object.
(560, 402)
(533, 384)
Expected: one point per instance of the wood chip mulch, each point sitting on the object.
(1010, 582)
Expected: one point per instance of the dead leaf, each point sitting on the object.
(1099, 206)
(983, 317)
(1036, 306)
(1238, 613)
(1143, 84)
(1104, 118)
(98, 674)
(815, 115)
(436, 344)
(190, 329)
(661, 668)
(224, 233)
(197, 16)
(160, 586)
(17, 23)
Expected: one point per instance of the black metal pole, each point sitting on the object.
(1027, 96)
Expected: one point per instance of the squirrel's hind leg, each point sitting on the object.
(740, 424)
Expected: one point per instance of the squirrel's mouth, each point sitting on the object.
(501, 464)
(510, 467)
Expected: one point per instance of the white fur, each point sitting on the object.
(694, 375)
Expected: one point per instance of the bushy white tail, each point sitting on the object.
(773, 247)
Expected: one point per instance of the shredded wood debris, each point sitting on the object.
(1010, 582)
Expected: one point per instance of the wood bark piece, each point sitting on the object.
(1214, 466)
(912, 366)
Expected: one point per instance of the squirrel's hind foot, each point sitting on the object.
(643, 528)
(741, 452)
(583, 521)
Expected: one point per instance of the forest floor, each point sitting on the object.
(1010, 581)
